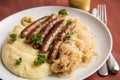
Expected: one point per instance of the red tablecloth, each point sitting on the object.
(8, 7)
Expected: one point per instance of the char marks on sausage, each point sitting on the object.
(32, 26)
(39, 28)
(51, 36)
(53, 31)
(48, 27)
(45, 30)
(59, 40)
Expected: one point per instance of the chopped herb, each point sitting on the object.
(40, 25)
(13, 37)
(63, 12)
(40, 59)
(52, 14)
(70, 34)
(37, 39)
(69, 21)
(18, 61)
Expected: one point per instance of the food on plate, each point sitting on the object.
(18, 61)
(27, 20)
(32, 26)
(13, 37)
(59, 40)
(40, 27)
(63, 12)
(54, 44)
(75, 52)
(51, 36)
(19, 57)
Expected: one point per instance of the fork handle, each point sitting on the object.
(103, 71)
(112, 64)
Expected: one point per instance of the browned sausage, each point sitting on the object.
(51, 36)
(45, 30)
(59, 40)
(32, 26)
(38, 28)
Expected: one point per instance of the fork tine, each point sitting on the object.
(103, 71)
(102, 12)
(105, 14)
(98, 8)
(99, 11)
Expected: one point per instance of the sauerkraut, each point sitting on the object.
(75, 52)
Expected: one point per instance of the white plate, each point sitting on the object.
(104, 39)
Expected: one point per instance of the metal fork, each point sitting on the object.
(103, 71)
(111, 63)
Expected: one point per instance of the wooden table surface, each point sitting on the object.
(8, 7)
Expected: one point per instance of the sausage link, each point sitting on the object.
(45, 30)
(38, 28)
(59, 40)
(51, 36)
(32, 26)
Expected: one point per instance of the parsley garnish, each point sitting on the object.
(40, 59)
(63, 12)
(13, 37)
(52, 14)
(18, 61)
(37, 39)
(69, 21)
(69, 35)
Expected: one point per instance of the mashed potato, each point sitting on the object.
(14, 50)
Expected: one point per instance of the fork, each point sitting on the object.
(111, 64)
(103, 71)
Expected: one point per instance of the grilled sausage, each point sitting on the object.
(59, 40)
(45, 30)
(38, 28)
(32, 26)
(51, 36)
